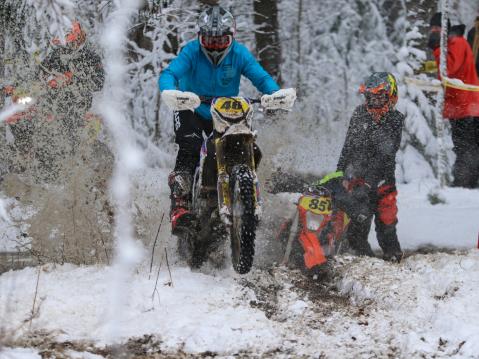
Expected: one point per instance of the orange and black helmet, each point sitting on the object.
(76, 34)
(380, 91)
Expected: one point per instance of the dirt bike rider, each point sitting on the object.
(69, 76)
(365, 170)
(210, 66)
(73, 72)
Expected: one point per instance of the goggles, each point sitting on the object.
(216, 42)
(376, 100)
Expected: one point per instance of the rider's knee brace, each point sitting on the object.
(180, 184)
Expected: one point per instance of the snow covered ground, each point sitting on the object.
(427, 306)
(453, 224)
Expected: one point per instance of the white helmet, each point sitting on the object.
(216, 30)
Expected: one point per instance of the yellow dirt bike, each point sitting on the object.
(225, 193)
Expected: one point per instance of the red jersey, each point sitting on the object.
(460, 65)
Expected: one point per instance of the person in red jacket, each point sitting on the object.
(461, 107)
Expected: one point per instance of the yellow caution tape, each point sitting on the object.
(447, 82)
(425, 85)
(436, 86)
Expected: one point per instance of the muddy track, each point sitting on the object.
(272, 289)
(277, 292)
(146, 347)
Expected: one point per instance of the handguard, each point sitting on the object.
(280, 100)
(180, 100)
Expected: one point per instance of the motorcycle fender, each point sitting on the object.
(238, 129)
(313, 253)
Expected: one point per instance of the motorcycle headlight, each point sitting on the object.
(313, 221)
(24, 100)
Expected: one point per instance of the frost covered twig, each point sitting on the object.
(155, 290)
(154, 244)
(170, 283)
(100, 236)
(33, 314)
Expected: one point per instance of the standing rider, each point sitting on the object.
(68, 77)
(367, 164)
(73, 71)
(209, 66)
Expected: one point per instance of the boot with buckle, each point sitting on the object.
(181, 217)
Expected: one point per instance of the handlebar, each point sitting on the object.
(209, 99)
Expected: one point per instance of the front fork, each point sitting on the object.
(223, 186)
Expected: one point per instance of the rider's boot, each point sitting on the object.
(357, 236)
(181, 217)
(388, 241)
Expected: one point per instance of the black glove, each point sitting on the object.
(361, 203)
(356, 203)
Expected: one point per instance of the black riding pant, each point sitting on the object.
(383, 208)
(465, 137)
(189, 128)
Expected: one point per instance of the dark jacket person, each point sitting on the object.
(461, 106)
(368, 161)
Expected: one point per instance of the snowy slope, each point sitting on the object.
(372, 308)
(426, 306)
(454, 224)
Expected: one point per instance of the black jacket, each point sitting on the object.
(88, 77)
(370, 148)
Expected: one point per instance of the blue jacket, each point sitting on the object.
(192, 71)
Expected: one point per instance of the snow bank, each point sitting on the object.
(425, 306)
(199, 312)
(19, 353)
(430, 303)
(453, 224)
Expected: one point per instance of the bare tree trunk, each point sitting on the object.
(172, 45)
(391, 10)
(299, 58)
(421, 9)
(2, 67)
(209, 2)
(268, 46)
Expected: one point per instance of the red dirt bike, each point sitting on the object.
(316, 231)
